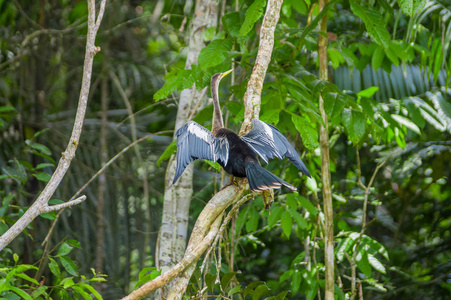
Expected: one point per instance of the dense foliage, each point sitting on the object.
(389, 109)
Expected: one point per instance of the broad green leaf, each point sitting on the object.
(225, 279)
(64, 249)
(41, 148)
(44, 165)
(20, 292)
(274, 216)
(296, 281)
(91, 289)
(369, 92)
(377, 58)
(252, 223)
(270, 116)
(406, 122)
(302, 223)
(363, 263)
(412, 7)
(232, 23)
(310, 183)
(354, 122)
(79, 290)
(373, 282)
(260, 291)
(214, 53)
(307, 205)
(171, 149)
(308, 134)
(54, 268)
(236, 289)
(69, 265)
(42, 176)
(287, 223)
(428, 113)
(280, 296)
(214, 165)
(253, 13)
(28, 278)
(374, 23)
(377, 265)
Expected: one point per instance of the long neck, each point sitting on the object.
(217, 114)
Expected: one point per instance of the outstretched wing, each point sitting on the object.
(195, 141)
(267, 141)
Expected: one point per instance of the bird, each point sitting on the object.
(236, 155)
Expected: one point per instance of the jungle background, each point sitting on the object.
(389, 109)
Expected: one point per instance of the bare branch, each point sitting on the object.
(69, 153)
(47, 209)
(189, 258)
(252, 97)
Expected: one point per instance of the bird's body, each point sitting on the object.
(240, 154)
(237, 155)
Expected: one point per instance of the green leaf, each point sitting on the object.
(369, 92)
(81, 292)
(287, 223)
(28, 278)
(274, 216)
(253, 13)
(41, 148)
(64, 249)
(354, 122)
(308, 134)
(225, 279)
(406, 122)
(54, 268)
(236, 289)
(373, 282)
(69, 265)
(42, 176)
(302, 223)
(91, 289)
(20, 292)
(374, 23)
(214, 165)
(215, 53)
(411, 7)
(377, 58)
(296, 281)
(270, 116)
(363, 263)
(232, 23)
(252, 223)
(310, 183)
(307, 205)
(170, 150)
(6, 109)
(44, 165)
(260, 291)
(377, 265)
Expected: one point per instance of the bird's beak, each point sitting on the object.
(226, 73)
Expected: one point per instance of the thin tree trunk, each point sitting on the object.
(177, 197)
(325, 166)
(41, 204)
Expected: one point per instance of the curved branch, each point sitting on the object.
(67, 156)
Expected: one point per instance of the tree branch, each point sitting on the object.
(189, 258)
(67, 156)
(47, 209)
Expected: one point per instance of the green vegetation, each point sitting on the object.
(388, 104)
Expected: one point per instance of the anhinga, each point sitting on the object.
(237, 155)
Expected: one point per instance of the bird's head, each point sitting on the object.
(215, 79)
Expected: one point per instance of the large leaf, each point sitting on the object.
(215, 53)
(354, 122)
(308, 133)
(411, 7)
(374, 23)
(253, 13)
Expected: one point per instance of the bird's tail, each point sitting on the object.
(261, 179)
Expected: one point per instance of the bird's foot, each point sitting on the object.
(232, 181)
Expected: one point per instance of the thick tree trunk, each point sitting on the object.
(325, 166)
(177, 197)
